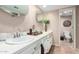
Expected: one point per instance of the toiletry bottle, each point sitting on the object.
(30, 31)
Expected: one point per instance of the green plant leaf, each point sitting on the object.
(44, 20)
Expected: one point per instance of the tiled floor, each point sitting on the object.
(66, 43)
(64, 50)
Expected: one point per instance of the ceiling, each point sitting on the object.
(47, 8)
(23, 9)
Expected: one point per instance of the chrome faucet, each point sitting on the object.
(16, 35)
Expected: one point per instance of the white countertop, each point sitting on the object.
(9, 49)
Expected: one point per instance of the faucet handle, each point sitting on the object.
(14, 35)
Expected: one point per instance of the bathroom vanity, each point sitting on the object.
(32, 46)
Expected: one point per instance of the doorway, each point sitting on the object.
(67, 26)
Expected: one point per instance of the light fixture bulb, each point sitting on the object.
(44, 6)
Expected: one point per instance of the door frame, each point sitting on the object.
(73, 25)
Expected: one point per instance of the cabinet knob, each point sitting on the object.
(35, 48)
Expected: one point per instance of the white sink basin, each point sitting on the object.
(19, 40)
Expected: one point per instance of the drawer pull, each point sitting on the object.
(35, 48)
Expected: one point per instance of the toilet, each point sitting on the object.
(67, 36)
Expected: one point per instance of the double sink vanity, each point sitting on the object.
(27, 44)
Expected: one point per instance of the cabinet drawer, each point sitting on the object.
(33, 50)
(47, 42)
(30, 49)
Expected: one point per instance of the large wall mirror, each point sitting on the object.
(15, 10)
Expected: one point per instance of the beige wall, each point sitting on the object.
(22, 23)
(53, 16)
(77, 30)
(8, 23)
(54, 25)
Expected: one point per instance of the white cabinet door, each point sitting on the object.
(34, 48)
(50, 40)
(47, 42)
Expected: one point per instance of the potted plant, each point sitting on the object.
(44, 21)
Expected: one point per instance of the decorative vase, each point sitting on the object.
(45, 27)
